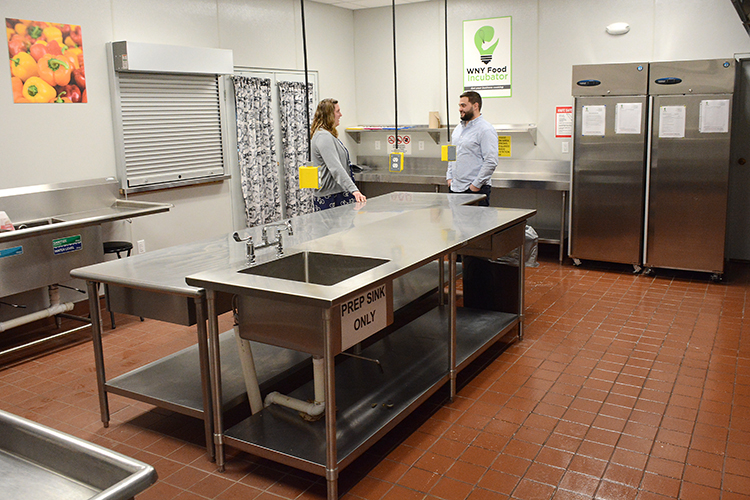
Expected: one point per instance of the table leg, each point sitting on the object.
(332, 470)
(563, 223)
(441, 281)
(452, 321)
(214, 363)
(208, 423)
(96, 337)
(521, 282)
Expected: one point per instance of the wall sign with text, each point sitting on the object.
(487, 56)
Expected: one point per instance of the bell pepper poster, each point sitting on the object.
(46, 62)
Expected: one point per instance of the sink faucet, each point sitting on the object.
(280, 226)
(250, 247)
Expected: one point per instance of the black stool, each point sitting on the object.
(115, 247)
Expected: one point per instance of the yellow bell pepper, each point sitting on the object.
(55, 70)
(37, 90)
(52, 33)
(24, 66)
(9, 32)
(73, 54)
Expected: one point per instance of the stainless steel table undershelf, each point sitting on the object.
(370, 402)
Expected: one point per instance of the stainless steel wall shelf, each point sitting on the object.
(435, 133)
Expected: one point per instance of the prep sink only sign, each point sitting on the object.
(366, 314)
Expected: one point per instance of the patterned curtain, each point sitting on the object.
(257, 152)
(294, 142)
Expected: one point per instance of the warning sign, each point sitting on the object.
(503, 146)
(404, 144)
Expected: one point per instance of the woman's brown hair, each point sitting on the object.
(325, 117)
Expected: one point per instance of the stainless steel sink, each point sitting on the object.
(315, 267)
(36, 223)
(40, 462)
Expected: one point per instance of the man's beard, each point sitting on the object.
(468, 115)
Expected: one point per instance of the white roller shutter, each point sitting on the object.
(171, 129)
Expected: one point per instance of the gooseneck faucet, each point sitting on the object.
(278, 242)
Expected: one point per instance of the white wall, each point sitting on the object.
(549, 37)
(353, 53)
(50, 144)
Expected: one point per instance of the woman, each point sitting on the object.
(328, 152)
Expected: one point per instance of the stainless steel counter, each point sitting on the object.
(152, 285)
(66, 206)
(306, 313)
(550, 175)
(540, 175)
(404, 241)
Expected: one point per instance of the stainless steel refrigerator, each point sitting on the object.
(687, 179)
(609, 162)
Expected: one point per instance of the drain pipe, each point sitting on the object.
(314, 409)
(248, 370)
(55, 308)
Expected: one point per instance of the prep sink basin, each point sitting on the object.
(315, 267)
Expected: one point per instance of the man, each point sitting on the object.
(476, 150)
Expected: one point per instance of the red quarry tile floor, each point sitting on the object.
(623, 387)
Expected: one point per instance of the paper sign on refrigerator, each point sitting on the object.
(594, 120)
(628, 118)
(672, 122)
(714, 116)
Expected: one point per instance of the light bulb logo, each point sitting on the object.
(482, 37)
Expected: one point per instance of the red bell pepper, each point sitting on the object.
(72, 92)
(79, 76)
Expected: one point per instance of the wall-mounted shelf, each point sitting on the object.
(356, 132)
(528, 128)
(434, 133)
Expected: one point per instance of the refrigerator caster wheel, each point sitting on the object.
(576, 262)
(717, 278)
(648, 271)
(637, 269)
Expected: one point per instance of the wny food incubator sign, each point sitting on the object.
(487, 56)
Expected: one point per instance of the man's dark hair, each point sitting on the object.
(473, 97)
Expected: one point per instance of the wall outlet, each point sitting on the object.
(377, 144)
(566, 146)
(141, 246)
(421, 145)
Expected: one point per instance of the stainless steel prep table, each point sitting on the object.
(417, 358)
(153, 285)
(542, 175)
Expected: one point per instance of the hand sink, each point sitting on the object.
(36, 223)
(315, 267)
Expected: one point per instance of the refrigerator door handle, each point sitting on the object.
(649, 132)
